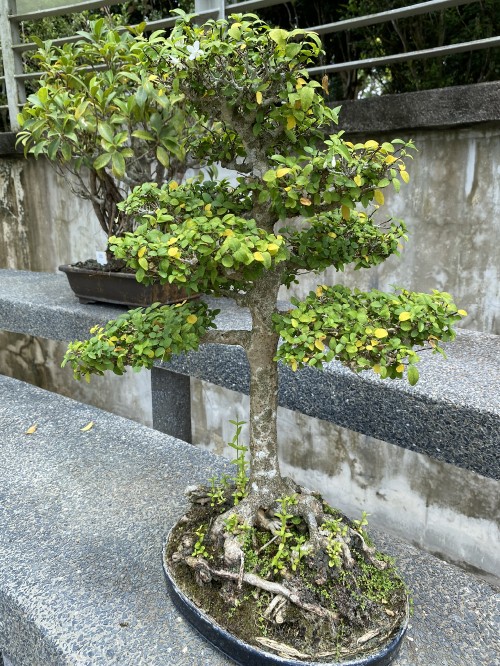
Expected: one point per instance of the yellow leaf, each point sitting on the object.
(390, 159)
(400, 368)
(319, 345)
(228, 232)
(462, 313)
(173, 251)
(258, 256)
(290, 122)
(31, 430)
(282, 172)
(379, 197)
(272, 248)
(258, 97)
(208, 207)
(172, 240)
(192, 319)
(319, 292)
(88, 427)
(405, 176)
(371, 144)
(346, 213)
(305, 201)
(376, 368)
(332, 234)
(294, 365)
(381, 333)
(404, 316)
(358, 180)
(142, 251)
(300, 82)
(173, 185)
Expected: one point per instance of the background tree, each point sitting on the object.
(301, 199)
(94, 116)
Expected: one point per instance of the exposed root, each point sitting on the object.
(206, 574)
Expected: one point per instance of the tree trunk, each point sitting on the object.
(265, 478)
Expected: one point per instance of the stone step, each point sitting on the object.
(82, 518)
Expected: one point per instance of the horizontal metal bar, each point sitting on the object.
(251, 5)
(63, 9)
(489, 43)
(160, 24)
(31, 46)
(390, 15)
(90, 4)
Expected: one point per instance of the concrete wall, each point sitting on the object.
(452, 209)
(42, 225)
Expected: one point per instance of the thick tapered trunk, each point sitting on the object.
(265, 478)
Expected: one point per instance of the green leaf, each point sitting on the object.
(118, 164)
(101, 161)
(269, 176)
(279, 36)
(106, 131)
(306, 97)
(413, 375)
(163, 156)
(291, 50)
(143, 134)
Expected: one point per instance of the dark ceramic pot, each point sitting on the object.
(92, 286)
(244, 654)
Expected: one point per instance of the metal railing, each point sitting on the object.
(14, 76)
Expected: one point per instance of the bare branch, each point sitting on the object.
(241, 338)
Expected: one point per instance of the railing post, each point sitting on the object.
(12, 61)
(203, 5)
(171, 398)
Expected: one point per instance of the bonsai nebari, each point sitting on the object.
(100, 119)
(302, 200)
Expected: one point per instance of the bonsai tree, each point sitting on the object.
(97, 118)
(302, 199)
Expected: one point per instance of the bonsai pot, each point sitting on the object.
(243, 653)
(101, 286)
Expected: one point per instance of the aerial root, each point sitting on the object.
(204, 574)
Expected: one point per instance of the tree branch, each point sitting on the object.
(241, 338)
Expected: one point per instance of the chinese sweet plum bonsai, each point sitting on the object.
(271, 560)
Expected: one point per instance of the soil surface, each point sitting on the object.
(356, 609)
(112, 266)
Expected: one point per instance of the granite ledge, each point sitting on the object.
(452, 414)
(83, 516)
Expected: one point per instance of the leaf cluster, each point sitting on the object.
(140, 337)
(366, 330)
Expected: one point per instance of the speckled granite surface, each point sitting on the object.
(82, 519)
(452, 414)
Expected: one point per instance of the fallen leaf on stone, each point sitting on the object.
(88, 427)
(31, 429)
(390, 613)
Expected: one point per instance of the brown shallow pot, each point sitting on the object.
(92, 286)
